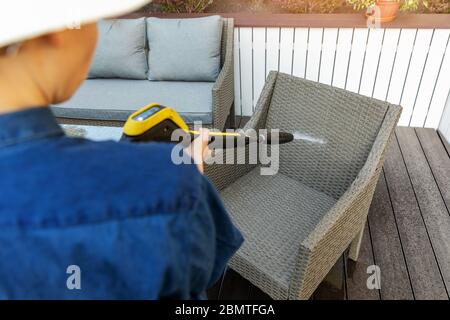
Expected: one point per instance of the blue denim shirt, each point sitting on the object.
(103, 220)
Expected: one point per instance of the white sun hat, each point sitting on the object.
(25, 19)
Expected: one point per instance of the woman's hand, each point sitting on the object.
(198, 150)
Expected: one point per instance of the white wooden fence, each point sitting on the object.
(444, 126)
(410, 67)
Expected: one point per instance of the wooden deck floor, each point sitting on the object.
(407, 233)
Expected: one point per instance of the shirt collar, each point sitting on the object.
(29, 124)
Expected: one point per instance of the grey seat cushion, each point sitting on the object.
(184, 49)
(116, 99)
(121, 50)
(272, 239)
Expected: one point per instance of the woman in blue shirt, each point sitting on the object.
(92, 220)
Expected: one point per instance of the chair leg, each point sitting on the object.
(353, 252)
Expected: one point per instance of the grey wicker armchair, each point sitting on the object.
(298, 222)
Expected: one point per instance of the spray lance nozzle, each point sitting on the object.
(223, 140)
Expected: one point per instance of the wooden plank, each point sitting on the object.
(387, 248)
(422, 266)
(333, 286)
(429, 198)
(235, 287)
(357, 272)
(351, 20)
(438, 159)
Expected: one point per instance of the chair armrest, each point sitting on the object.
(330, 238)
(259, 117)
(223, 174)
(223, 89)
(319, 252)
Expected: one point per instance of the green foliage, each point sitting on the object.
(410, 5)
(437, 6)
(185, 6)
(305, 6)
(310, 6)
(433, 6)
(361, 4)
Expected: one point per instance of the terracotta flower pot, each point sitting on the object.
(384, 11)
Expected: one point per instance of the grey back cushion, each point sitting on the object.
(121, 50)
(184, 49)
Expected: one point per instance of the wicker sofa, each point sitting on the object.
(298, 222)
(109, 102)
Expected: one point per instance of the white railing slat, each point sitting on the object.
(430, 74)
(343, 49)
(441, 92)
(314, 54)
(414, 74)
(259, 61)
(371, 62)
(237, 74)
(328, 55)
(273, 49)
(286, 49)
(356, 59)
(402, 61)
(385, 68)
(246, 48)
(300, 51)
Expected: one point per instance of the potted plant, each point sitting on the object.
(385, 10)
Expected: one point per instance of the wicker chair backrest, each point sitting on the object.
(223, 50)
(336, 130)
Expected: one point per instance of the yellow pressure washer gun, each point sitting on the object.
(157, 123)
